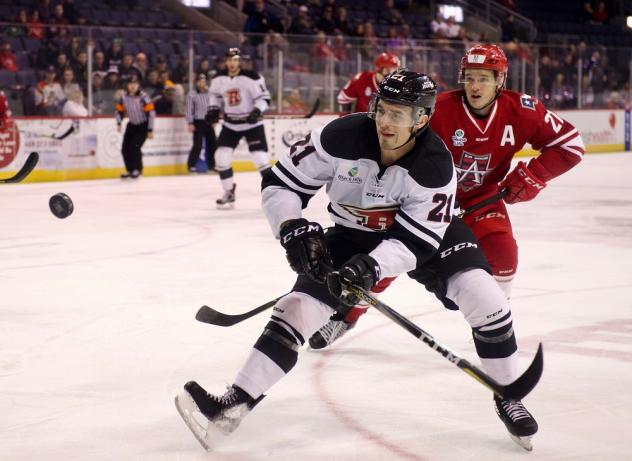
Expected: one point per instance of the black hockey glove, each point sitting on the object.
(212, 116)
(254, 116)
(360, 270)
(305, 248)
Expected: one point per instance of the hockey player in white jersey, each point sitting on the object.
(391, 184)
(243, 98)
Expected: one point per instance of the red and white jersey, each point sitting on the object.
(359, 90)
(482, 148)
(5, 112)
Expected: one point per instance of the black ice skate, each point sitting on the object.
(330, 332)
(519, 422)
(209, 415)
(228, 199)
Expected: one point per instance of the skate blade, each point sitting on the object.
(524, 442)
(205, 434)
(226, 206)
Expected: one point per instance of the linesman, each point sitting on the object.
(197, 105)
(140, 109)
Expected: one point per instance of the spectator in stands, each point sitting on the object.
(74, 105)
(35, 26)
(33, 101)
(70, 11)
(302, 23)
(80, 67)
(370, 41)
(342, 21)
(600, 15)
(45, 10)
(164, 80)
(321, 52)
(112, 81)
(181, 73)
(141, 65)
(218, 66)
(8, 60)
(452, 30)
(204, 67)
(102, 100)
(47, 54)
(547, 76)
(598, 77)
(20, 29)
(393, 43)
(326, 23)
(53, 95)
(261, 22)
(508, 29)
(74, 48)
(586, 12)
(151, 85)
(562, 94)
(164, 103)
(114, 56)
(588, 95)
(58, 22)
(98, 62)
(126, 69)
(390, 14)
(293, 103)
(68, 82)
(340, 48)
(161, 64)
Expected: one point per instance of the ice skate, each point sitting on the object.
(126, 175)
(227, 201)
(330, 332)
(209, 415)
(519, 422)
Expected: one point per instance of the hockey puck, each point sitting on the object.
(61, 205)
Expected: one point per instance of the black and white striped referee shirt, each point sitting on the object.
(138, 107)
(197, 105)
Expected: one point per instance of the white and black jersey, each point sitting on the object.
(410, 201)
(238, 96)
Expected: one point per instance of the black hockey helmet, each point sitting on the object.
(233, 52)
(409, 88)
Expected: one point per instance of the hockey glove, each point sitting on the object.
(212, 116)
(522, 183)
(254, 116)
(305, 248)
(360, 270)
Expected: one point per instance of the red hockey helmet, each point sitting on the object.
(490, 57)
(386, 61)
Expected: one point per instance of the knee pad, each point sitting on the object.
(301, 315)
(261, 159)
(223, 157)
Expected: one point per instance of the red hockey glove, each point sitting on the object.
(522, 183)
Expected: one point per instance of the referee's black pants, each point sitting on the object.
(203, 131)
(133, 140)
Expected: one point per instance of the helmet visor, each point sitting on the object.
(394, 113)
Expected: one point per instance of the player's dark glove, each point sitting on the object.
(254, 116)
(360, 270)
(305, 248)
(522, 183)
(212, 116)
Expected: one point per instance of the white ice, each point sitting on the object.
(97, 331)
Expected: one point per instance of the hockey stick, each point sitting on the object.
(484, 203)
(516, 390)
(309, 114)
(28, 166)
(209, 315)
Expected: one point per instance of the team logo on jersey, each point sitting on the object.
(472, 170)
(368, 91)
(351, 176)
(378, 219)
(527, 102)
(233, 97)
(459, 138)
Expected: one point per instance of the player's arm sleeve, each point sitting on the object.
(560, 145)
(261, 96)
(347, 94)
(289, 185)
(189, 109)
(119, 111)
(418, 229)
(150, 110)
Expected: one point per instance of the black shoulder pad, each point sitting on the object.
(433, 165)
(250, 74)
(221, 73)
(350, 136)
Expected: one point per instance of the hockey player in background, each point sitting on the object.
(5, 112)
(391, 185)
(362, 86)
(243, 97)
(484, 126)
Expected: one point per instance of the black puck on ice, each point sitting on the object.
(61, 205)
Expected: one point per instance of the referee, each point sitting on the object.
(140, 109)
(197, 105)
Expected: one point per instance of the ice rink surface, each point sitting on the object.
(97, 331)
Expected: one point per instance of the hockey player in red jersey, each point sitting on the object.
(5, 112)
(484, 126)
(362, 86)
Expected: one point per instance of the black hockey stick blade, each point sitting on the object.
(28, 166)
(487, 201)
(314, 109)
(66, 134)
(209, 315)
(514, 391)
